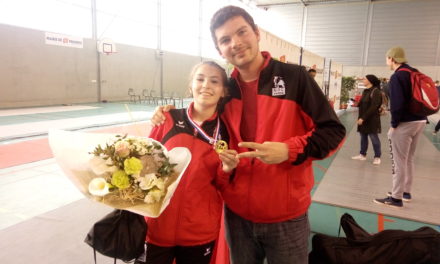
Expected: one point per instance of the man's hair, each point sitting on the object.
(312, 70)
(224, 14)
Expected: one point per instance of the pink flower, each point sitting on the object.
(122, 149)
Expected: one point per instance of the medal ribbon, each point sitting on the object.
(211, 140)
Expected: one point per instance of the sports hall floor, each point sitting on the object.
(44, 219)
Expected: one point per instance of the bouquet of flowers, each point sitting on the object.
(131, 173)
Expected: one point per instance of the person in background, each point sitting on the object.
(437, 127)
(405, 129)
(188, 228)
(385, 89)
(279, 121)
(368, 123)
(312, 73)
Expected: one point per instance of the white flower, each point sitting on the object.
(159, 183)
(143, 151)
(148, 181)
(100, 166)
(99, 187)
(153, 196)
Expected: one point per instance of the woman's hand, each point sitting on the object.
(229, 159)
(360, 122)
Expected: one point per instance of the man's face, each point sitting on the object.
(312, 74)
(237, 42)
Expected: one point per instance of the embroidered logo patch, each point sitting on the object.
(279, 86)
(207, 252)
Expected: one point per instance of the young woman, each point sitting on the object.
(187, 230)
(369, 118)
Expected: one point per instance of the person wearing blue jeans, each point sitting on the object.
(375, 141)
(369, 118)
(283, 242)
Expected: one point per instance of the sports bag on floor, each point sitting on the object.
(388, 246)
(424, 96)
(119, 235)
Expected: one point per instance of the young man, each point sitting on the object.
(279, 121)
(276, 105)
(405, 130)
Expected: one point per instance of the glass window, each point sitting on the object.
(132, 22)
(180, 26)
(70, 17)
(208, 49)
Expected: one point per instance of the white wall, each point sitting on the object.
(33, 73)
(312, 60)
(279, 47)
(360, 33)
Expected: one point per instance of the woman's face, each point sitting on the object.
(207, 86)
(366, 82)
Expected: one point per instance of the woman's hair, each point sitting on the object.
(224, 80)
(224, 14)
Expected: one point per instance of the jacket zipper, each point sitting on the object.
(183, 195)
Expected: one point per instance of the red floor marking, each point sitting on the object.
(381, 222)
(323, 169)
(38, 149)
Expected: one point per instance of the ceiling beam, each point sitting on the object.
(308, 3)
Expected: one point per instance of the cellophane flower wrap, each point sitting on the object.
(137, 174)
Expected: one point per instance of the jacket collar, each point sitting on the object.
(267, 58)
(191, 110)
(403, 65)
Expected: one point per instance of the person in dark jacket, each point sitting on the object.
(369, 118)
(405, 131)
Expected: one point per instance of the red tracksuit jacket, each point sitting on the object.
(291, 108)
(194, 213)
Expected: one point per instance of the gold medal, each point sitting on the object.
(220, 145)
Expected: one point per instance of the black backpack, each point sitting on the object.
(388, 246)
(119, 235)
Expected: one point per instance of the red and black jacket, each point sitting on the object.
(291, 108)
(194, 213)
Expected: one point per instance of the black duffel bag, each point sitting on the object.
(119, 235)
(388, 246)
